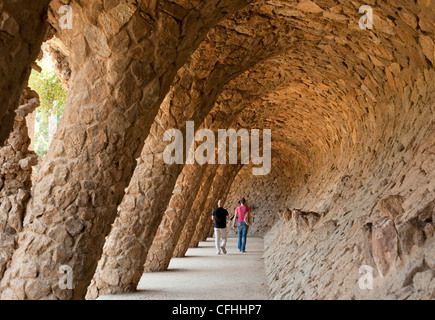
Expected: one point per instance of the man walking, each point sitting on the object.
(220, 217)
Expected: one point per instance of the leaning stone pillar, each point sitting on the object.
(86, 169)
(194, 213)
(16, 161)
(22, 25)
(174, 218)
(221, 185)
(191, 98)
(163, 245)
(123, 58)
(148, 195)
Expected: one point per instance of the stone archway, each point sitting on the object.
(351, 113)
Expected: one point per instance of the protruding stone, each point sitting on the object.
(384, 245)
(309, 6)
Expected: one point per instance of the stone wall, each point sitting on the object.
(351, 113)
(374, 207)
(123, 59)
(263, 195)
(16, 161)
(22, 29)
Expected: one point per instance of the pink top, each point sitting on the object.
(241, 213)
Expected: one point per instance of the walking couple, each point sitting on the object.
(242, 216)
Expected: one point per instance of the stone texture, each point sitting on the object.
(384, 245)
(262, 204)
(351, 114)
(168, 234)
(22, 26)
(191, 98)
(197, 207)
(218, 190)
(102, 149)
(16, 161)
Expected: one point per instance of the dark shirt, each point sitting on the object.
(220, 218)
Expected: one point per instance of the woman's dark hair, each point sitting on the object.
(242, 201)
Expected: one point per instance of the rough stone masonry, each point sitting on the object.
(351, 112)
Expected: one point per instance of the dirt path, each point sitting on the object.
(203, 275)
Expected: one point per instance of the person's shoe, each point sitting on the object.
(218, 253)
(224, 250)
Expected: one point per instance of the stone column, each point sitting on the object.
(195, 90)
(197, 93)
(123, 59)
(16, 161)
(220, 187)
(224, 116)
(148, 195)
(86, 169)
(194, 213)
(175, 217)
(194, 93)
(23, 26)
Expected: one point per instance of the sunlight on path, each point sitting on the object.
(203, 275)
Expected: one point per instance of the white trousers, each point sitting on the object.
(220, 236)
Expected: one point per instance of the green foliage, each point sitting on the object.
(52, 97)
(41, 136)
(50, 90)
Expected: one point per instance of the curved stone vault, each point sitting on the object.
(351, 113)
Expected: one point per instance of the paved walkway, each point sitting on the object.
(203, 275)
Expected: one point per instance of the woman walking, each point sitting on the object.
(243, 219)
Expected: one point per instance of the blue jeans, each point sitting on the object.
(242, 229)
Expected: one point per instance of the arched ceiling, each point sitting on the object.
(321, 83)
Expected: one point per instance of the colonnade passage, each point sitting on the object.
(203, 275)
(320, 113)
